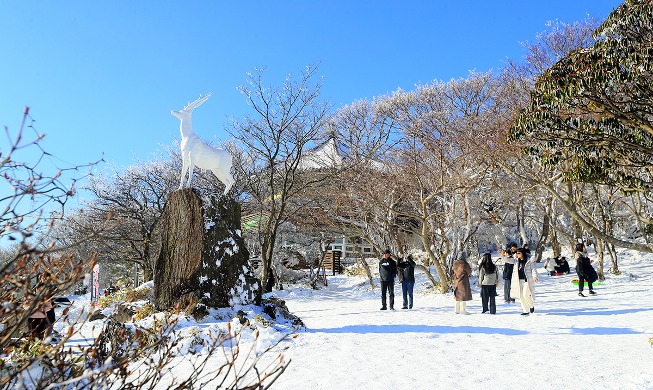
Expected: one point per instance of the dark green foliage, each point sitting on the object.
(591, 114)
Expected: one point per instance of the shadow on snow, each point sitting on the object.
(417, 329)
(603, 331)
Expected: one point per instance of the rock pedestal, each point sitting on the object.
(202, 255)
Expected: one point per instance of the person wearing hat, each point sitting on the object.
(407, 269)
(387, 272)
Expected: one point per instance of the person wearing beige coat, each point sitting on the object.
(523, 282)
(462, 289)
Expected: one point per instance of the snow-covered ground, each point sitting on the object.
(597, 342)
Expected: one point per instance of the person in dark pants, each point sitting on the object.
(508, 265)
(584, 269)
(488, 278)
(387, 272)
(407, 269)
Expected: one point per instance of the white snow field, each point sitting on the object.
(596, 342)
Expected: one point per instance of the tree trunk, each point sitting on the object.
(368, 272)
(599, 256)
(613, 256)
(427, 272)
(521, 223)
(182, 229)
(544, 234)
(555, 243)
(203, 258)
(442, 273)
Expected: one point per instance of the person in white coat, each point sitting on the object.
(550, 265)
(523, 282)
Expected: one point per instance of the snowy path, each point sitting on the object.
(598, 342)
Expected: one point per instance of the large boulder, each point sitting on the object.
(202, 256)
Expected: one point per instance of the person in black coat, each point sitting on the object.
(407, 269)
(584, 269)
(508, 266)
(387, 273)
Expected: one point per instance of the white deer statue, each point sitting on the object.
(195, 152)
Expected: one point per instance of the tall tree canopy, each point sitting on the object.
(591, 114)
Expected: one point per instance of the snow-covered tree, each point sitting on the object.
(286, 122)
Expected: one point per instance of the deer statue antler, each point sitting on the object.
(191, 106)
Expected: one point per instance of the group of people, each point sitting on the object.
(557, 266)
(519, 278)
(388, 269)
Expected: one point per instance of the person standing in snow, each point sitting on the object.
(387, 272)
(584, 269)
(523, 282)
(461, 288)
(407, 269)
(508, 265)
(488, 278)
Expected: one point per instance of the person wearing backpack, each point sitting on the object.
(488, 278)
(584, 269)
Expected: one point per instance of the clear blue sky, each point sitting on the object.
(101, 77)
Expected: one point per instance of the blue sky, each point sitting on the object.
(101, 77)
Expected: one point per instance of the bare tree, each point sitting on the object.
(36, 202)
(346, 205)
(126, 357)
(287, 122)
(442, 163)
(135, 196)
